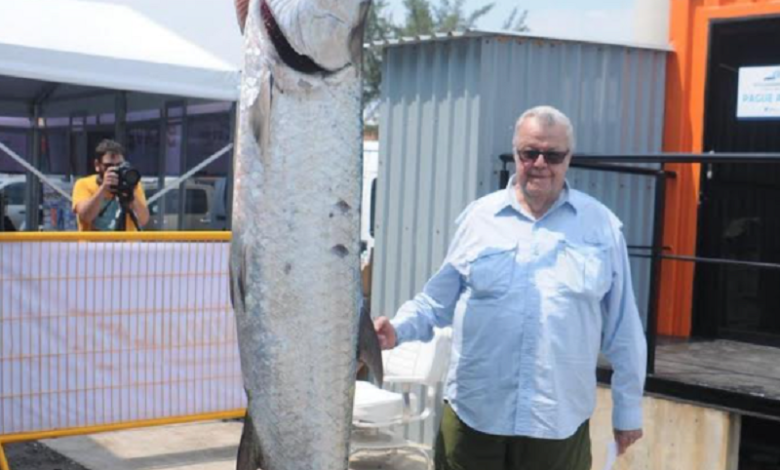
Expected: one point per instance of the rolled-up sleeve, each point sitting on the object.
(434, 306)
(624, 343)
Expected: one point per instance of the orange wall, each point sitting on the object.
(683, 132)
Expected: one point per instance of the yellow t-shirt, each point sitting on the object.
(85, 188)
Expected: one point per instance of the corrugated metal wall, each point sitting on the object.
(449, 108)
(429, 134)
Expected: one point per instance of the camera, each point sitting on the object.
(128, 178)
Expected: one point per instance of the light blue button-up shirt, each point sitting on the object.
(531, 303)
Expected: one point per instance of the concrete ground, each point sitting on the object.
(197, 446)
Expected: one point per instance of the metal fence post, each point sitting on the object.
(655, 269)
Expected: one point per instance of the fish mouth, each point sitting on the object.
(298, 62)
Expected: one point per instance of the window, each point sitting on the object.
(197, 202)
(15, 194)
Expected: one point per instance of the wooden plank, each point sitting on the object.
(677, 436)
(730, 365)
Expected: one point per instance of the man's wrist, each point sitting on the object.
(627, 418)
(402, 331)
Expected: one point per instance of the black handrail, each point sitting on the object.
(724, 157)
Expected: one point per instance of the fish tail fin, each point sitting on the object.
(369, 352)
(250, 456)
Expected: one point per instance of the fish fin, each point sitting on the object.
(250, 456)
(260, 112)
(231, 287)
(242, 8)
(242, 276)
(369, 352)
(231, 290)
(237, 282)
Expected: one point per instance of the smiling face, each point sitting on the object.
(540, 180)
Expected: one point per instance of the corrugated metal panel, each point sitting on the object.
(449, 109)
(476, 33)
(428, 140)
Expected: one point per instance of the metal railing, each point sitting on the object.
(657, 250)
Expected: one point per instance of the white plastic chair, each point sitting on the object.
(379, 415)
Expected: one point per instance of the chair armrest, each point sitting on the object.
(398, 379)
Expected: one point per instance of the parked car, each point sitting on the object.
(200, 208)
(13, 189)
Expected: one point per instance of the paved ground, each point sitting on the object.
(198, 446)
(34, 455)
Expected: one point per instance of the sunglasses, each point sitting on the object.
(550, 156)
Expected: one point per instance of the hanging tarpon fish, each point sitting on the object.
(294, 262)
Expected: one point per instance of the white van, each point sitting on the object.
(13, 189)
(368, 204)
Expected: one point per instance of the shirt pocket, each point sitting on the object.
(491, 272)
(583, 269)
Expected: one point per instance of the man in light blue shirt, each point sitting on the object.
(535, 283)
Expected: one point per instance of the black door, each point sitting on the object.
(739, 214)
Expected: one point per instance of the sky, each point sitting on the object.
(628, 21)
(620, 21)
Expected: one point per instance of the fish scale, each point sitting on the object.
(295, 280)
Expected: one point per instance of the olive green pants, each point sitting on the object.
(458, 447)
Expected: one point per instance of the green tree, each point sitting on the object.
(378, 28)
(450, 16)
(516, 21)
(419, 19)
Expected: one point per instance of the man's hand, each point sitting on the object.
(385, 332)
(110, 181)
(624, 439)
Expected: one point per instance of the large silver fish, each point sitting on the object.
(294, 262)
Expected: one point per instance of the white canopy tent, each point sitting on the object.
(108, 45)
(67, 60)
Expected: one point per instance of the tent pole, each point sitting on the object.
(184, 165)
(229, 176)
(162, 155)
(33, 185)
(120, 123)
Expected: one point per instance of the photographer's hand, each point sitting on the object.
(88, 209)
(110, 182)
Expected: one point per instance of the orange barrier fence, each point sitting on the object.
(127, 330)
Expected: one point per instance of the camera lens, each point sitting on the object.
(132, 177)
(129, 177)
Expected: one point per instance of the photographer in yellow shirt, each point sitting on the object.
(98, 199)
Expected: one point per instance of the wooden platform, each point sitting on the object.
(737, 376)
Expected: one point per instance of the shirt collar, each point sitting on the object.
(567, 197)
